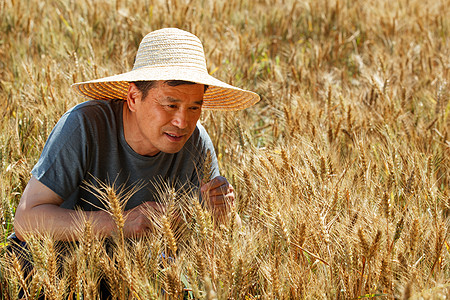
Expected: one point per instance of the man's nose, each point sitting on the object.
(180, 119)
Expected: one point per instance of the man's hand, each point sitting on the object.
(138, 220)
(218, 195)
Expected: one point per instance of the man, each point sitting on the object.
(140, 128)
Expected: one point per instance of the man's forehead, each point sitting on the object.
(178, 93)
(173, 84)
(176, 100)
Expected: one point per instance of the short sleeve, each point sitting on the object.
(64, 159)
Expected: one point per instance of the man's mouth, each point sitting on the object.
(174, 137)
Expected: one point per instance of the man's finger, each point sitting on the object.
(220, 190)
(214, 183)
(226, 200)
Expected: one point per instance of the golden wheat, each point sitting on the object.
(341, 172)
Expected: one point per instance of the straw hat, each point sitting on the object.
(170, 54)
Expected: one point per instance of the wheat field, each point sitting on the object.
(341, 171)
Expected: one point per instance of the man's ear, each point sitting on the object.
(133, 96)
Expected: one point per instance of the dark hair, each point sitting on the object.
(145, 86)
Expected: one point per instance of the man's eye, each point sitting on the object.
(195, 108)
(171, 106)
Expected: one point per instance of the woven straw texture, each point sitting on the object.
(170, 54)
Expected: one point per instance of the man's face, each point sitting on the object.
(166, 118)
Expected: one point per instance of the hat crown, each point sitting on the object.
(170, 47)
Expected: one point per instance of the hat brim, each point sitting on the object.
(218, 96)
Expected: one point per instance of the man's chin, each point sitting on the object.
(173, 146)
(172, 150)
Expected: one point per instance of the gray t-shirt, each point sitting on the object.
(88, 144)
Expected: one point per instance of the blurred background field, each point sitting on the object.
(341, 171)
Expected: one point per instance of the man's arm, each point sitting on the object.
(39, 211)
